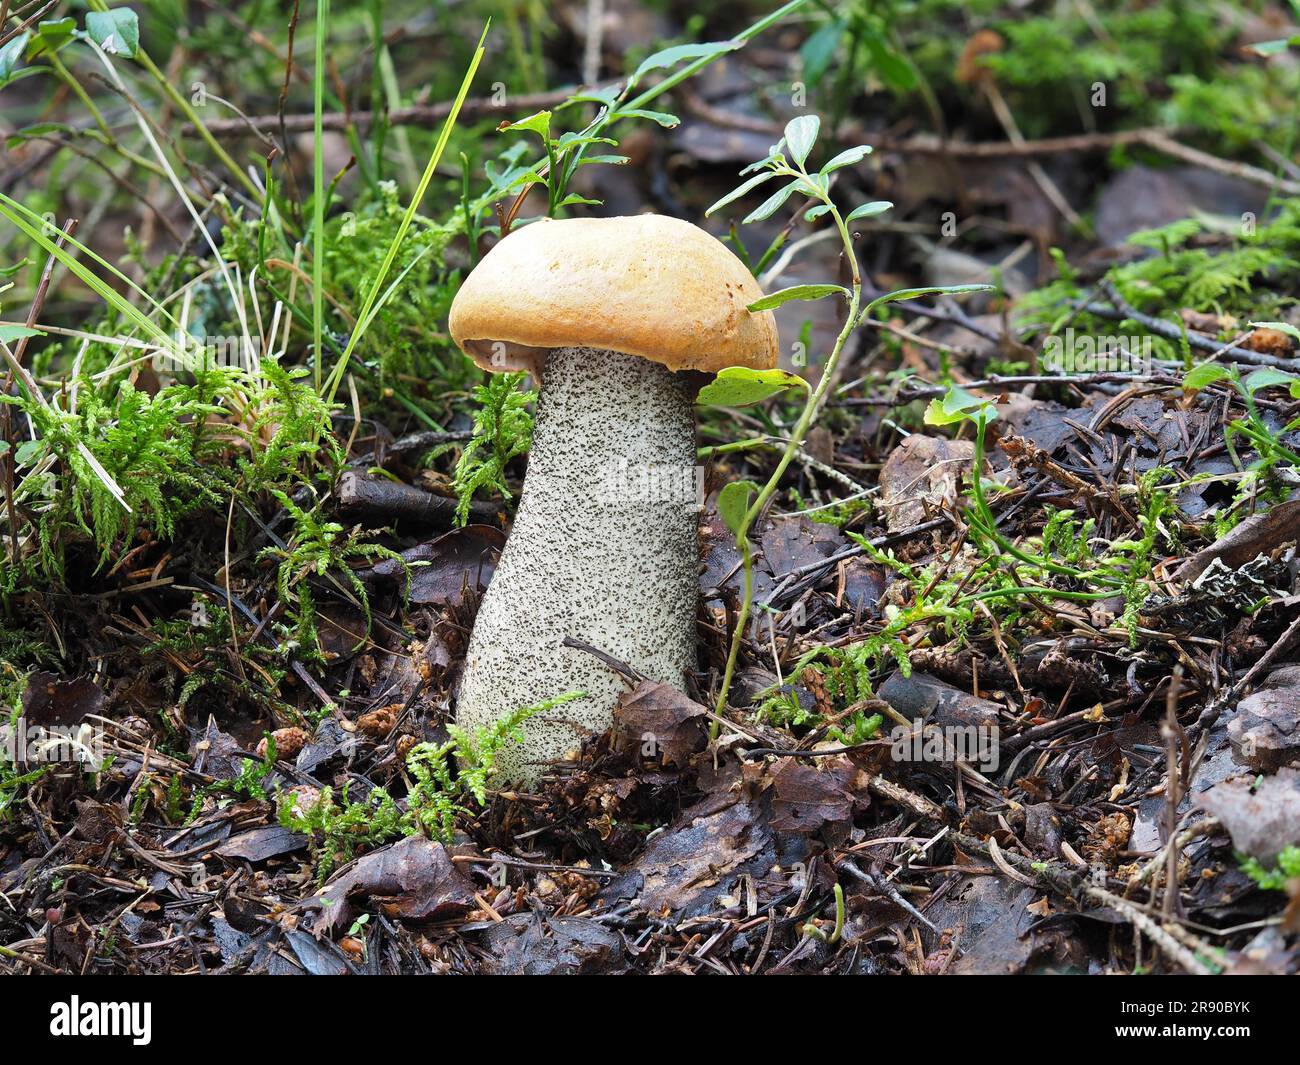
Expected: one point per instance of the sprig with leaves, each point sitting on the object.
(503, 429)
(316, 548)
(445, 779)
(567, 152)
(741, 502)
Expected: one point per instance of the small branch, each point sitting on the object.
(425, 115)
(1172, 733)
(1122, 310)
(632, 676)
(883, 887)
(377, 500)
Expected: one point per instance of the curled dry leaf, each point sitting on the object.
(811, 795)
(922, 474)
(666, 725)
(413, 879)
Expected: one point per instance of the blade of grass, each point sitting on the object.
(39, 223)
(318, 194)
(14, 212)
(375, 289)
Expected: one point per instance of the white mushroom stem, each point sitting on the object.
(604, 549)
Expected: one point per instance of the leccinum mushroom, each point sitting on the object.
(607, 314)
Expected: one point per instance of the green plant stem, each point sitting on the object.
(1028, 589)
(811, 405)
(318, 197)
(183, 105)
(376, 293)
(104, 133)
(839, 915)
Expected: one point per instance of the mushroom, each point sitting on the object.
(609, 315)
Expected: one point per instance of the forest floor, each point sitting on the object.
(1017, 682)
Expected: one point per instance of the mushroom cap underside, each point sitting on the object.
(645, 285)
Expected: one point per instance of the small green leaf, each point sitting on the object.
(773, 203)
(869, 210)
(51, 35)
(733, 503)
(797, 292)
(912, 293)
(801, 135)
(816, 211)
(1274, 47)
(662, 117)
(40, 129)
(573, 199)
(117, 31)
(894, 70)
(1281, 327)
(958, 405)
(670, 57)
(847, 158)
(739, 386)
(819, 50)
(1204, 375)
(28, 452)
(570, 140)
(606, 96)
(774, 155)
(11, 55)
(1267, 377)
(10, 333)
(539, 123)
(740, 190)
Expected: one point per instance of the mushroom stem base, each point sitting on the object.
(604, 549)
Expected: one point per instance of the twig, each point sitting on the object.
(419, 441)
(424, 115)
(918, 804)
(1166, 145)
(593, 33)
(1045, 184)
(1159, 935)
(1170, 732)
(632, 676)
(1122, 310)
(883, 887)
(377, 499)
(1175, 843)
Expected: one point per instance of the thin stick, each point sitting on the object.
(1170, 732)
